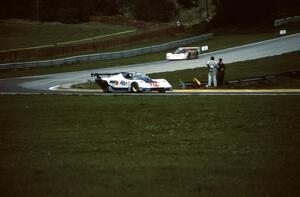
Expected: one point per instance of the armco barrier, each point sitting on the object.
(107, 56)
(283, 21)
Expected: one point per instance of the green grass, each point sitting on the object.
(21, 35)
(87, 85)
(150, 146)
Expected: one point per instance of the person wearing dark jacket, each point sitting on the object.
(221, 72)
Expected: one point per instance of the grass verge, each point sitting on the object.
(26, 34)
(153, 146)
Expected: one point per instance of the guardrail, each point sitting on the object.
(106, 56)
(283, 21)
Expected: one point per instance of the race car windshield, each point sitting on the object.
(143, 77)
(178, 51)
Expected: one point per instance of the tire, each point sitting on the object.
(191, 56)
(135, 87)
(162, 91)
(104, 86)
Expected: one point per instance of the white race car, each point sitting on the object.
(130, 82)
(183, 53)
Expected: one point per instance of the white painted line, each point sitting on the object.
(60, 88)
(53, 88)
(97, 37)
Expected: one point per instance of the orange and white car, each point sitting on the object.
(183, 53)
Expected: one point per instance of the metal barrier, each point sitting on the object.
(107, 56)
(283, 21)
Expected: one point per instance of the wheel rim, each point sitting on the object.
(134, 87)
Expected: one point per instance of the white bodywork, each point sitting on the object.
(183, 53)
(131, 82)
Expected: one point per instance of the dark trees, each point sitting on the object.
(79, 10)
(228, 12)
(154, 10)
(188, 3)
(251, 12)
(57, 10)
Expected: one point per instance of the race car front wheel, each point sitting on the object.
(135, 87)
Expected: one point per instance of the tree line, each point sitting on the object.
(75, 11)
(251, 12)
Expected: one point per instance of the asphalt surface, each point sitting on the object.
(43, 83)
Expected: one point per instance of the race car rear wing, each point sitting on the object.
(190, 48)
(98, 75)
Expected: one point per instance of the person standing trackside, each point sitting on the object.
(221, 72)
(212, 66)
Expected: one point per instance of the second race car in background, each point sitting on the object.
(130, 82)
(183, 53)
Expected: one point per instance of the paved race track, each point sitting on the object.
(41, 84)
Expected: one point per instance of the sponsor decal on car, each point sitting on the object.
(123, 83)
(154, 84)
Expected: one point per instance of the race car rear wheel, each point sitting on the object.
(135, 87)
(104, 86)
(189, 56)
